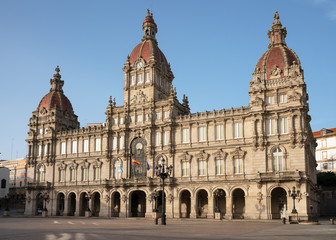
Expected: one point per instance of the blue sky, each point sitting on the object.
(213, 47)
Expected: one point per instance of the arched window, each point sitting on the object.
(277, 160)
(3, 183)
(96, 173)
(41, 173)
(117, 170)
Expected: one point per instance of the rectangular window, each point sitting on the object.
(121, 120)
(324, 155)
(185, 135)
(74, 147)
(121, 142)
(84, 174)
(139, 78)
(72, 174)
(40, 131)
(147, 77)
(201, 134)
(237, 130)
(157, 139)
(61, 175)
(185, 168)
(115, 121)
(237, 166)
(114, 143)
(324, 143)
(158, 115)
(165, 114)
(139, 118)
(283, 126)
(269, 100)
(98, 144)
(39, 150)
(282, 98)
(45, 130)
(146, 117)
(270, 127)
(132, 119)
(63, 147)
(45, 150)
(132, 80)
(219, 132)
(219, 166)
(201, 168)
(96, 173)
(165, 138)
(86, 145)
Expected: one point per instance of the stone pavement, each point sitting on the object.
(53, 228)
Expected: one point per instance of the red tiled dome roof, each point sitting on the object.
(56, 99)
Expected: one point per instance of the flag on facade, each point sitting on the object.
(148, 167)
(135, 161)
(121, 169)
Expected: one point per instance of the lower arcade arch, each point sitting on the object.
(202, 204)
(238, 203)
(220, 201)
(185, 204)
(115, 204)
(278, 203)
(83, 204)
(95, 204)
(71, 204)
(60, 204)
(138, 203)
(39, 204)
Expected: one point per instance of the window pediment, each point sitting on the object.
(238, 153)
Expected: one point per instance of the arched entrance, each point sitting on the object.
(83, 204)
(138, 204)
(185, 204)
(71, 204)
(115, 207)
(39, 204)
(278, 203)
(202, 204)
(238, 203)
(60, 204)
(220, 201)
(95, 204)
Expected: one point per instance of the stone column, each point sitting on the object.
(193, 207)
(66, 206)
(210, 214)
(228, 214)
(148, 213)
(176, 206)
(105, 202)
(123, 206)
(170, 205)
(77, 206)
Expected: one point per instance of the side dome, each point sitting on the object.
(276, 61)
(56, 99)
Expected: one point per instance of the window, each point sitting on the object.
(165, 138)
(237, 166)
(114, 143)
(96, 173)
(3, 183)
(325, 166)
(201, 134)
(185, 168)
(282, 98)
(72, 174)
(324, 143)
(269, 100)
(237, 130)
(98, 144)
(219, 132)
(283, 126)
(121, 142)
(115, 121)
(324, 155)
(61, 175)
(84, 174)
(270, 127)
(121, 120)
(147, 77)
(146, 117)
(45, 130)
(132, 80)
(158, 115)
(277, 160)
(132, 119)
(39, 150)
(139, 118)
(117, 170)
(86, 145)
(63, 147)
(185, 135)
(40, 131)
(41, 174)
(45, 149)
(139, 78)
(219, 166)
(157, 138)
(201, 168)
(74, 147)
(165, 114)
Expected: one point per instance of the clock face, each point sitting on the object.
(139, 65)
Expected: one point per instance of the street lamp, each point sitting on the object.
(294, 193)
(155, 196)
(163, 172)
(217, 194)
(45, 197)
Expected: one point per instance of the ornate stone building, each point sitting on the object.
(249, 156)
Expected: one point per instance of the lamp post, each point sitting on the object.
(294, 193)
(163, 172)
(45, 197)
(217, 194)
(155, 196)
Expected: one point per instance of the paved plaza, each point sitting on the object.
(67, 228)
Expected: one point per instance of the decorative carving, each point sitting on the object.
(202, 155)
(259, 197)
(185, 156)
(275, 71)
(124, 198)
(139, 97)
(238, 153)
(170, 198)
(257, 101)
(43, 111)
(28, 199)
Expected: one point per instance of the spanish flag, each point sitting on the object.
(135, 161)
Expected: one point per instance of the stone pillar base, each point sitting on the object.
(228, 216)
(218, 215)
(45, 213)
(293, 218)
(87, 213)
(6, 213)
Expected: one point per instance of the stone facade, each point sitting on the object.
(248, 157)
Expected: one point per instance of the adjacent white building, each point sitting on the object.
(4, 182)
(326, 149)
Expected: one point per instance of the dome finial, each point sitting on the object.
(277, 34)
(276, 15)
(56, 82)
(149, 26)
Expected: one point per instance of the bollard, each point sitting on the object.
(332, 221)
(283, 220)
